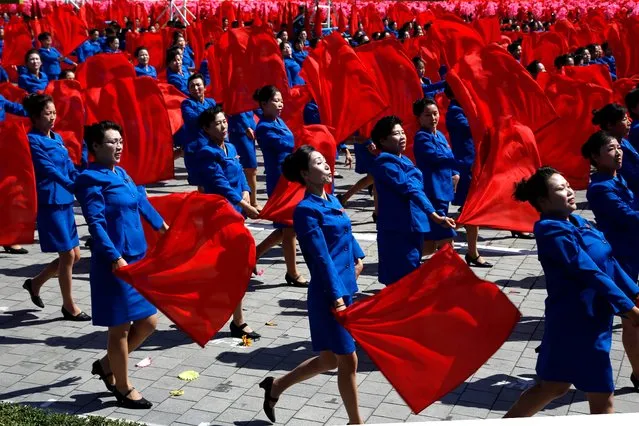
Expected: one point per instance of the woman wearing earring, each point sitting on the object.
(334, 259)
(112, 205)
(55, 179)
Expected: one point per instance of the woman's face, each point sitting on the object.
(196, 88)
(176, 63)
(180, 42)
(620, 129)
(570, 62)
(109, 151)
(284, 36)
(303, 35)
(420, 30)
(115, 44)
(34, 63)
(218, 129)
(46, 43)
(286, 51)
(273, 108)
(143, 57)
(560, 199)
(421, 69)
(610, 156)
(587, 56)
(429, 118)
(395, 143)
(46, 120)
(319, 172)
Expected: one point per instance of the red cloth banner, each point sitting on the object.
(99, 70)
(68, 97)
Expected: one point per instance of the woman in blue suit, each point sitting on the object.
(616, 211)
(276, 142)
(405, 213)
(586, 288)
(55, 179)
(242, 135)
(143, 69)
(188, 57)
(334, 259)
(436, 161)
(292, 67)
(191, 108)
(216, 168)
(112, 205)
(34, 79)
(51, 57)
(176, 73)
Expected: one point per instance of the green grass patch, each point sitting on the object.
(23, 415)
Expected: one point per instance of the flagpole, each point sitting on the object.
(174, 11)
(76, 3)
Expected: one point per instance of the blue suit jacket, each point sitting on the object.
(630, 168)
(276, 142)
(11, 108)
(293, 72)
(180, 81)
(31, 83)
(633, 136)
(239, 123)
(435, 160)
(112, 205)
(461, 138)
(54, 171)
(402, 203)
(51, 62)
(3, 75)
(148, 71)
(191, 110)
(300, 56)
(87, 49)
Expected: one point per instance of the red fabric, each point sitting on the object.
(199, 271)
(154, 43)
(354, 19)
(397, 79)
(168, 206)
(506, 156)
(346, 93)
(99, 70)
(67, 29)
(69, 104)
(317, 23)
(341, 21)
(18, 44)
(560, 143)
(287, 195)
(252, 49)
(544, 47)
(294, 103)
(456, 38)
(138, 106)
(422, 47)
(373, 20)
(431, 330)
(214, 54)
(197, 41)
(92, 16)
(401, 14)
(173, 100)
(12, 93)
(622, 87)
(227, 10)
(17, 185)
(622, 50)
(488, 28)
(595, 74)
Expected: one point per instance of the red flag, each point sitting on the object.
(317, 23)
(173, 100)
(67, 29)
(168, 206)
(287, 195)
(543, 47)
(154, 43)
(422, 47)
(197, 41)
(595, 74)
(12, 93)
(17, 185)
(138, 106)
(373, 20)
(346, 93)
(622, 87)
(341, 21)
(431, 330)
(354, 22)
(199, 271)
(488, 28)
(506, 156)
(69, 104)
(17, 45)
(401, 14)
(99, 70)
(456, 38)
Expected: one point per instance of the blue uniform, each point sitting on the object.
(293, 72)
(238, 124)
(51, 62)
(463, 147)
(180, 81)
(300, 56)
(431, 89)
(55, 177)
(204, 70)
(311, 113)
(402, 218)
(276, 142)
(146, 71)
(87, 49)
(437, 163)
(630, 168)
(188, 58)
(33, 83)
(616, 210)
(611, 62)
(363, 157)
(11, 108)
(3, 75)
(633, 136)
(586, 287)
(191, 110)
(324, 232)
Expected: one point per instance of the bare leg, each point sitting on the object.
(274, 238)
(630, 339)
(310, 368)
(65, 278)
(536, 398)
(364, 182)
(45, 275)
(430, 247)
(238, 318)
(118, 353)
(251, 178)
(289, 244)
(347, 384)
(601, 403)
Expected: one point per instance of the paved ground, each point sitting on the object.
(46, 362)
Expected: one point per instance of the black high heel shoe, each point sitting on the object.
(522, 235)
(35, 299)
(374, 216)
(125, 402)
(267, 385)
(295, 282)
(82, 316)
(635, 382)
(473, 262)
(12, 250)
(238, 331)
(98, 370)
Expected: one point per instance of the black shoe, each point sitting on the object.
(370, 190)
(89, 242)
(374, 217)
(473, 262)
(78, 318)
(35, 299)
(12, 250)
(238, 331)
(295, 282)
(267, 385)
(635, 382)
(140, 404)
(97, 370)
(522, 235)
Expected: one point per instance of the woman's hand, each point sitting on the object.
(339, 305)
(164, 228)
(359, 267)
(446, 222)
(250, 134)
(120, 263)
(246, 197)
(372, 148)
(250, 211)
(633, 315)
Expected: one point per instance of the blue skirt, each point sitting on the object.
(245, 149)
(438, 232)
(465, 177)
(56, 228)
(326, 333)
(113, 301)
(399, 254)
(363, 159)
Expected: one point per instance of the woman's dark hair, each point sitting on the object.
(419, 106)
(110, 40)
(29, 53)
(63, 75)
(535, 187)
(43, 36)
(632, 100)
(448, 91)
(208, 116)
(594, 144)
(418, 60)
(177, 35)
(279, 34)
(608, 116)
(561, 61)
(35, 103)
(592, 48)
(283, 45)
(171, 54)
(194, 77)
(95, 133)
(139, 49)
(93, 30)
(512, 47)
(265, 94)
(533, 68)
(297, 162)
(384, 128)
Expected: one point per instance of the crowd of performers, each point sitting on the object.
(591, 272)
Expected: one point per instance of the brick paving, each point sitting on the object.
(46, 362)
